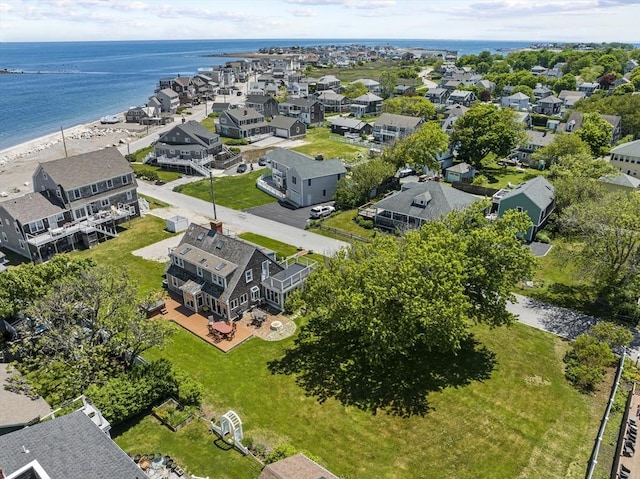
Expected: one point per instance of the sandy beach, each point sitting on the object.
(18, 163)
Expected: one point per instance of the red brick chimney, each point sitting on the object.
(216, 225)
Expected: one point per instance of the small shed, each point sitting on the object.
(176, 224)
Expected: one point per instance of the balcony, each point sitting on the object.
(296, 270)
(87, 225)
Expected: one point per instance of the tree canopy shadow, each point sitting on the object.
(397, 385)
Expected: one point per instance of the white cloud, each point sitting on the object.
(319, 2)
(304, 12)
(5, 8)
(372, 4)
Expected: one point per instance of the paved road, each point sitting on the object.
(561, 321)
(240, 221)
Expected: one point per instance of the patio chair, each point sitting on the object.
(625, 469)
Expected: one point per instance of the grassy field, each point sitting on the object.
(281, 249)
(142, 153)
(163, 175)
(525, 421)
(343, 221)
(192, 445)
(368, 70)
(153, 202)
(320, 142)
(500, 177)
(237, 192)
(135, 234)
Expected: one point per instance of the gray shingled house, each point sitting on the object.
(226, 276)
(78, 200)
(389, 127)
(243, 123)
(308, 111)
(191, 148)
(417, 203)
(300, 179)
(287, 127)
(69, 447)
(265, 104)
(536, 197)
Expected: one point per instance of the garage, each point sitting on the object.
(282, 133)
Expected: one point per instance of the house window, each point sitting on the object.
(4, 236)
(234, 303)
(199, 271)
(309, 182)
(129, 195)
(324, 192)
(248, 275)
(294, 180)
(94, 189)
(178, 261)
(109, 184)
(15, 225)
(22, 245)
(60, 217)
(174, 281)
(255, 293)
(265, 270)
(58, 193)
(125, 180)
(105, 202)
(77, 194)
(36, 226)
(519, 209)
(6, 221)
(44, 175)
(244, 298)
(187, 140)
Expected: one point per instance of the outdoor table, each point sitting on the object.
(222, 327)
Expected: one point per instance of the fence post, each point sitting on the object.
(596, 448)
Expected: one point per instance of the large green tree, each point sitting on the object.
(626, 106)
(417, 106)
(388, 322)
(388, 81)
(355, 188)
(354, 90)
(610, 231)
(85, 330)
(422, 148)
(561, 146)
(596, 132)
(485, 129)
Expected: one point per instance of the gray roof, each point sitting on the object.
(460, 93)
(241, 114)
(218, 248)
(169, 92)
(258, 99)
(69, 447)
(537, 189)
(368, 82)
(578, 117)
(87, 168)
(330, 95)
(300, 102)
(32, 207)
(621, 180)
(436, 91)
(283, 275)
(368, 97)
(569, 93)
(402, 121)
(280, 121)
(540, 138)
(460, 168)
(441, 199)
(519, 96)
(347, 122)
(550, 99)
(288, 158)
(328, 79)
(631, 148)
(192, 129)
(318, 169)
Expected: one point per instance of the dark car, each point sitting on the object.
(242, 167)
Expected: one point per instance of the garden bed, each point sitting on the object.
(173, 415)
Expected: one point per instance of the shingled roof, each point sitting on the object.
(403, 121)
(69, 447)
(434, 200)
(32, 207)
(537, 189)
(87, 168)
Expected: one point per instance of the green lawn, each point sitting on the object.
(238, 192)
(525, 421)
(142, 153)
(135, 234)
(500, 177)
(153, 202)
(343, 221)
(355, 72)
(192, 447)
(163, 175)
(281, 249)
(320, 143)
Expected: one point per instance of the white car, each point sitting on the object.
(321, 211)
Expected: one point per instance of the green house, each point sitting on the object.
(536, 197)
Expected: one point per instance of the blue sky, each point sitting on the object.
(533, 20)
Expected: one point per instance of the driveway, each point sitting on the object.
(283, 214)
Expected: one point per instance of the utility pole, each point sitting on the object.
(64, 143)
(213, 198)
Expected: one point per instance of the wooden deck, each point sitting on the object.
(630, 462)
(198, 324)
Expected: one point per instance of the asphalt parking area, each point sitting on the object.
(283, 214)
(539, 249)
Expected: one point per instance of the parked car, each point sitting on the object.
(262, 161)
(321, 211)
(242, 167)
(408, 171)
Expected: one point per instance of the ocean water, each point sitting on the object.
(79, 82)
